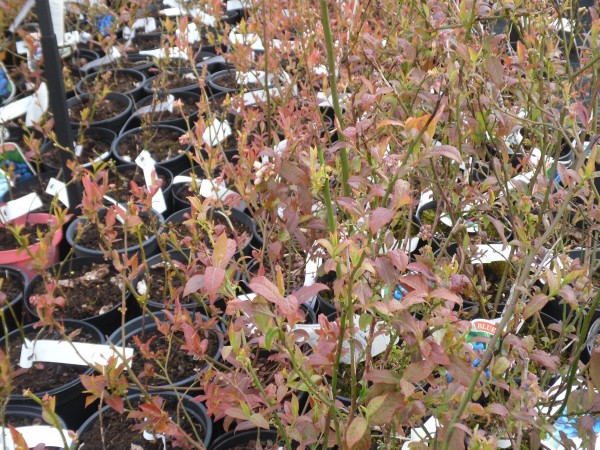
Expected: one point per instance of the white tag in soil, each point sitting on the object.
(20, 207)
(35, 435)
(57, 13)
(58, 187)
(488, 253)
(234, 5)
(210, 189)
(38, 106)
(148, 165)
(113, 55)
(379, 344)
(64, 352)
(119, 206)
(216, 133)
(163, 105)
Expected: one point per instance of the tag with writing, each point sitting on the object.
(148, 166)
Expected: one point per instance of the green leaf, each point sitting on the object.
(357, 434)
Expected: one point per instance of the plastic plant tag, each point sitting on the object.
(488, 253)
(216, 133)
(234, 5)
(191, 33)
(12, 155)
(210, 189)
(205, 18)
(57, 13)
(118, 205)
(113, 55)
(155, 437)
(160, 53)
(148, 24)
(212, 60)
(58, 187)
(15, 109)
(7, 87)
(20, 207)
(164, 105)
(148, 166)
(38, 106)
(34, 435)
(64, 352)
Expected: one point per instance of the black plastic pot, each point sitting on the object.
(164, 118)
(106, 322)
(146, 323)
(150, 246)
(232, 439)
(114, 123)
(152, 303)
(195, 410)
(94, 80)
(11, 312)
(77, 58)
(97, 134)
(123, 170)
(590, 343)
(26, 415)
(215, 85)
(70, 400)
(236, 214)
(175, 164)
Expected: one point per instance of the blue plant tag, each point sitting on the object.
(7, 87)
(105, 24)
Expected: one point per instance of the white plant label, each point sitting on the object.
(148, 166)
(148, 24)
(55, 187)
(160, 53)
(35, 435)
(310, 275)
(205, 18)
(57, 13)
(216, 133)
(164, 105)
(378, 345)
(38, 106)
(64, 352)
(234, 5)
(113, 55)
(118, 205)
(191, 34)
(210, 189)
(488, 253)
(20, 207)
(15, 109)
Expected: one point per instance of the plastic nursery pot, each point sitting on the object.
(14, 284)
(21, 259)
(248, 439)
(37, 184)
(242, 224)
(19, 416)
(118, 434)
(160, 274)
(161, 141)
(183, 370)
(125, 81)
(324, 305)
(231, 81)
(151, 109)
(95, 147)
(172, 82)
(56, 379)
(592, 341)
(91, 246)
(110, 112)
(90, 286)
(78, 59)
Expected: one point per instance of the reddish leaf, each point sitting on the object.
(17, 438)
(194, 284)
(381, 409)
(380, 218)
(418, 371)
(259, 421)
(446, 294)
(115, 402)
(446, 151)
(498, 409)
(385, 270)
(213, 280)
(399, 258)
(495, 69)
(305, 293)
(357, 434)
(534, 305)
(545, 359)
(595, 367)
(264, 287)
(293, 174)
(381, 376)
(223, 251)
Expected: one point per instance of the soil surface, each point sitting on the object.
(44, 376)
(123, 82)
(170, 80)
(89, 290)
(240, 232)
(12, 286)
(162, 143)
(91, 236)
(178, 363)
(164, 285)
(118, 435)
(145, 42)
(8, 241)
(229, 81)
(91, 148)
(120, 182)
(103, 109)
(253, 445)
(188, 108)
(292, 267)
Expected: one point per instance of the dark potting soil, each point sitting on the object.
(102, 109)
(217, 107)
(8, 241)
(75, 62)
(21, 190)
(170, 80)
(116, 433)
(240, 232)
(91, 237)
(116, 82)
(12, 286)
(292, 267)
(89, 290)
(119, 182)
(229, 81)
(188, 108)
(44, 376)
(162, 143)
(91, 149)
(162, 282)
(145, 43)
(178, 363)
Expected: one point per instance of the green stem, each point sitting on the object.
(334, 94)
